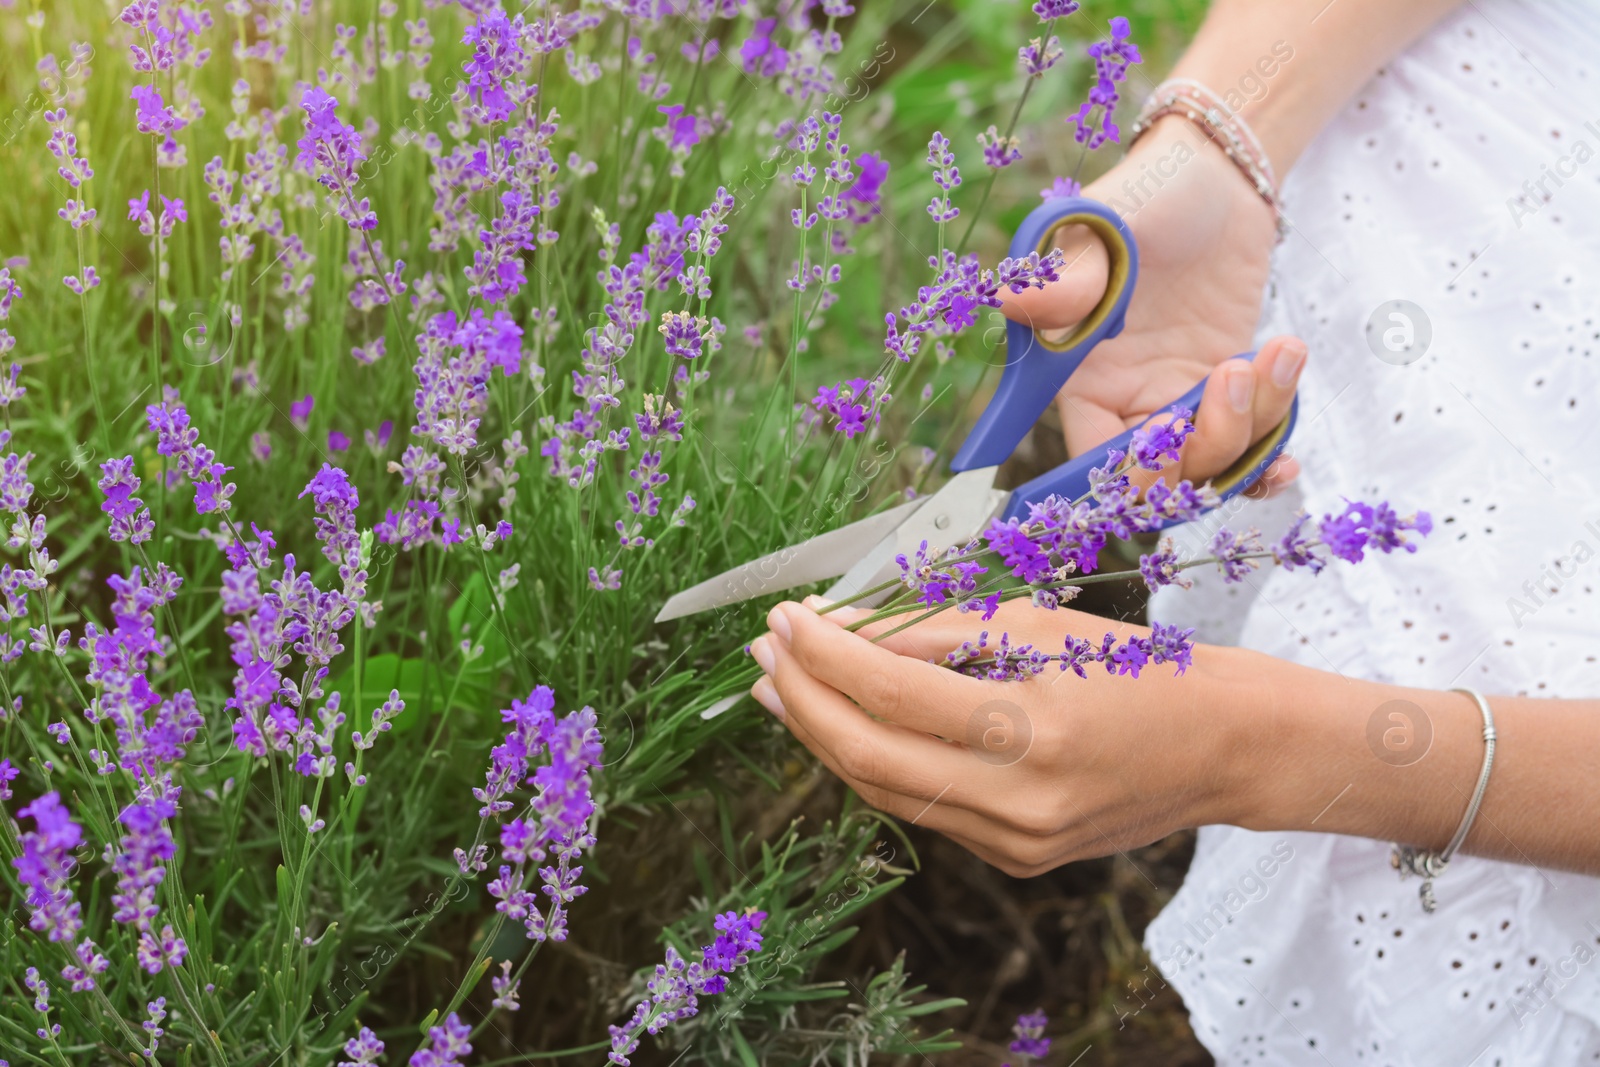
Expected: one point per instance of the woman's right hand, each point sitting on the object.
(1204, 239)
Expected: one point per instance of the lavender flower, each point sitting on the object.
(41, 1004)
(454, 388)
(331, 152)
(1060, 540)
(1234, 551)
(1061, 187)
(555, 821)
(336, 501)
(1297, 548)
(363, 1049)
(1054, 9)
(180, 442)
(1170, 644)
(155, 1013)
(677, 985)
(1112, 58)
(946, 175)
(1039, 55)
(934, 582)
(75, 171)
(153, 115)
(498, 61)
(172, 212)
(447, 1044)
(999, 151)
(685, 335)
(1162, 567)
(130, 519)
(1029, 1041)
(88, 962)
(865, 192)
(1155, 444)
(9, 291)
(850, 404)
(45, 867)
(506, 989)
(1361, 526)
(140, 869)
(760, 54)
(300, 411)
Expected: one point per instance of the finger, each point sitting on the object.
(1087, 424)
(1081, 284)
(897, 804)
(1275, 479)
(899, 688)
(1002, 858)
(1278, 366)
(1225, 424)
(933, 637)
(920, 641)
(842, 615)
(929, 807)
(993, 842)
(880, 754)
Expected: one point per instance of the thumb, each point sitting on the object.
(1084, 272)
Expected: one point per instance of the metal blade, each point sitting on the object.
(953, 516)
(826, 555)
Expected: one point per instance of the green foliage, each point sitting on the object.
(295, 937)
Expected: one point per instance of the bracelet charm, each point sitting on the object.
(1426, 863)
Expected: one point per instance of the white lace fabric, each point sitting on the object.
(1304, 948)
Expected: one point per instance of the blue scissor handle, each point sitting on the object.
(1036, 369)
(1071, 479)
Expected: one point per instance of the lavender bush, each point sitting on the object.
(334, 730)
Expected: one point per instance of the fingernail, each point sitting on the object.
(762, 653)
(1241, 387)
(766, 694)
(779, 623)
(817, 603)
(1291, 357)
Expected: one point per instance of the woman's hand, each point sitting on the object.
(1204, 240)
(1027, 775)
(1030, 775)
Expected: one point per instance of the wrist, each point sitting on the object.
(1312, 750)
(1244, 739)
(1260, 93)
(1174, 150)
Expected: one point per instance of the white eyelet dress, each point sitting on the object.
(1464, 179)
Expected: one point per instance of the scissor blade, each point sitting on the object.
(954, 515)
(824, 556)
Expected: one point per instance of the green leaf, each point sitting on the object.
(384, 674)
(472, 618)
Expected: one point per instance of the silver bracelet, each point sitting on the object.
(1210, 114)
(1425, 863)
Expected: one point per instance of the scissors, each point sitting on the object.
(862, 554)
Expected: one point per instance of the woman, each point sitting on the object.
(1461, 176)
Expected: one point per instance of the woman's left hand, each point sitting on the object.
(1026, 775)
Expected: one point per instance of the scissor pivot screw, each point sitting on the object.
(941, 522)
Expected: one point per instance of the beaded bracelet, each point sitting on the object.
(1207, 112)
(1426, 863)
